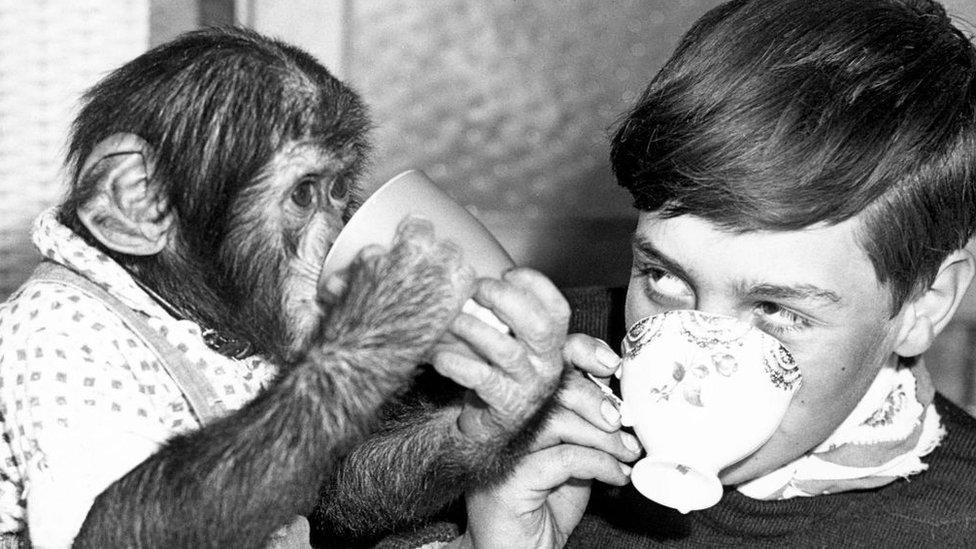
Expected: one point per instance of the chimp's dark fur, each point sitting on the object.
(234, 482)
(425, 467)
(216, 106)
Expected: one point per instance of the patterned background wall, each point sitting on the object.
(50, 52)
(508, 104)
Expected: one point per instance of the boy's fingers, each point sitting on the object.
(564, 427)
(549, 468)
(583, 397)
(590, 355)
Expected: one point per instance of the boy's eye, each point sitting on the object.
(304, 194)
(667, 289)
(775, 319)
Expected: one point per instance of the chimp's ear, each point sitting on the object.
(127, 213)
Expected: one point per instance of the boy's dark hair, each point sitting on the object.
(782, 114)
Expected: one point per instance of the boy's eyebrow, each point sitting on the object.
(798, 292)
(807, 292)
(645, 247)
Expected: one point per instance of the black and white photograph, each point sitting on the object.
(487, 274)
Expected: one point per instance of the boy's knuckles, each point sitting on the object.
(566, 457)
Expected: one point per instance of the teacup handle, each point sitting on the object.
(626, 417)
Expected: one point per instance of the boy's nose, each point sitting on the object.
(719, 305)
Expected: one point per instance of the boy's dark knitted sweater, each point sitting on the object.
(935, 508)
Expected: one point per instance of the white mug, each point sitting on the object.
(412, 193)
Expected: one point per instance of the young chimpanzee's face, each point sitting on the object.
(290, 220)
(813, 289)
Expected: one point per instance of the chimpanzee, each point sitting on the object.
(210, 176)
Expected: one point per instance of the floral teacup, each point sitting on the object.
(702, 392)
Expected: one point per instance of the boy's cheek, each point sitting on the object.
(803, 428)
(835, 376)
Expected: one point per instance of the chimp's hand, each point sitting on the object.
(396, 304)
(510, 376)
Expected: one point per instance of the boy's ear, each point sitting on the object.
(929, 313)
(127, 212)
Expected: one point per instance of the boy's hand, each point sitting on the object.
(541, 503)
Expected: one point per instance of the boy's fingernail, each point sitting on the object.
(626, 469)
(630, 442)
(606, 356)
(610, 412)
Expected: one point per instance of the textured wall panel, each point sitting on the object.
(509, 105)
(509, 101)
(50, 51)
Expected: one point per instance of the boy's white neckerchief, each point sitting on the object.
(893, 426)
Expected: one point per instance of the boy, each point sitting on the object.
(808, 167)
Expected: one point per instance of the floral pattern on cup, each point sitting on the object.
(780, 366)
(722, 363)
(641, 333)
(707, 331)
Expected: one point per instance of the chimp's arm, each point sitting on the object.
(234, 482)
(439, 440)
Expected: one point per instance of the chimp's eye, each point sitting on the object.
(304, 194)
(339, 190)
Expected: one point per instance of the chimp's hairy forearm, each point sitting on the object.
(410, 470)
(236, 481)
(415, 466)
